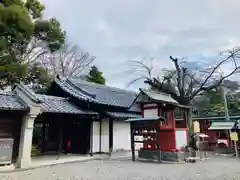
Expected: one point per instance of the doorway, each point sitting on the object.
(77, 133)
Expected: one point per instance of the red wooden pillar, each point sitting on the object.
(174, 129)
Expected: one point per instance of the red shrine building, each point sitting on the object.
(169, 134)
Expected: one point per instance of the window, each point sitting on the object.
(179, 113)
(222, 134)
(166, 113)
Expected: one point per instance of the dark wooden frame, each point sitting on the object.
(146, 124)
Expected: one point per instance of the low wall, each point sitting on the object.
(164, 156)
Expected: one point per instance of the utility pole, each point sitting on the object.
(225, 102)
(227, 114)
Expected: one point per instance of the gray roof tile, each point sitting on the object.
(135, 107)
(159, 96)
(10, 101)
(71, 89)
(54, 104)
(61, 105)
(104, 94)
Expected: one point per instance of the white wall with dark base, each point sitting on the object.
(105, 136)
(95, 136)
(103, 144)
(121, 136)
(181, 139)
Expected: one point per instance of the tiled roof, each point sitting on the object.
(9, 101)
(135, 107)
(159, 118)
(54, 104)
(221, 126)
(158, 96)
(71, 89)
(104, 94)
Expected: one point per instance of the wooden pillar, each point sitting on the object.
(173, 119)
(100, 136)
(132, 141)
(110, 135)
(60, 138)
(157, 126)
(43, 137)
(91, 139)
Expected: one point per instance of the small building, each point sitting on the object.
(173, 134)
(12, 111)
(75, 117)
(80, 117)
(114, 105)
(217, 128)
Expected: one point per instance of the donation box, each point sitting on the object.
(6, 148)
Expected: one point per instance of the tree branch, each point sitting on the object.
(201, 88)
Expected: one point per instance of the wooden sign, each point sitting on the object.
(196, 126)
(234, 136)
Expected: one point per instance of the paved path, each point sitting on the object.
(217, 168)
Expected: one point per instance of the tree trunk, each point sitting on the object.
(190, 122)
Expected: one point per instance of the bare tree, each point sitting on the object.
(35, 50)
(69, 61)
(184, 84)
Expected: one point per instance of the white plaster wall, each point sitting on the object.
(150, 112)
(95, 136)
(121, 136)
(105, 135)
(181, 138)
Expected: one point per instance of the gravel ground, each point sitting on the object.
(217, 168)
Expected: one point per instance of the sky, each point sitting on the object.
(118, 31)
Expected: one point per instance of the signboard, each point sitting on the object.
(151, 112)
(196, 127)
(6, 146)
(138, 138)
(234, 136)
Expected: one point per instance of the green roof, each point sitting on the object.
(223, 118)
(145, 119)
(222, 125)
(124, 115)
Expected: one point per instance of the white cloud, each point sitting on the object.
(119, 30)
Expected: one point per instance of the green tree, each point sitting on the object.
(39, 78)
(95, 76)
(24, 36)
(211, 101)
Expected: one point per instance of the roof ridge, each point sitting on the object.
(29, 92)
(51, 97)
(156, 91)
(75, 86)
(115, 89)
(63, 84)
(104, 95)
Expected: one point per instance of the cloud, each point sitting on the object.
(116, 31)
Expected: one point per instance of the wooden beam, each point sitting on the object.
(158, 141)
(100, 136)
(60, 140)
(132, 142)
(110, 135)
(91, 139)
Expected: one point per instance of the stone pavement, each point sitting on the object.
(216, 168)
